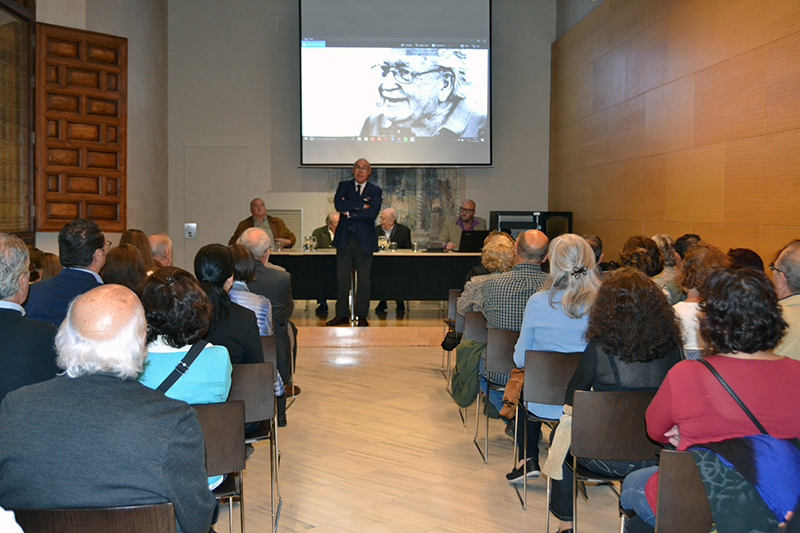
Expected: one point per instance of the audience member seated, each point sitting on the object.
(740, 325)
(244, 269)
(505, 296)
(642, 253)
(785, 272)
(82, 251)
(276, 286)
(272, 226)
(701, 260)
(745, 257)
(324, 236)
(95, 437)
(124, 266)
(139, 240)
(597, 248)
(555, 319)
(161, 246)
(497, 256)
(36, 257)
(396, 233)
(666, 280)
(466, 220)
(682, 245)
(480, 270)
(26, 353)
(178, 314)
(232, 325)
(633, 340)
(50, 266)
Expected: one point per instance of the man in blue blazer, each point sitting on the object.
(82, 251)
(358, 202)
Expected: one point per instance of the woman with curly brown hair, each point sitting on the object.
(740, 324)
(633, 340)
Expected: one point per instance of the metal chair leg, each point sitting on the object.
(485, 456)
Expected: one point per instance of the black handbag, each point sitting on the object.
(451, 340)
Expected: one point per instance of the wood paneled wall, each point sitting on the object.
(676, 116)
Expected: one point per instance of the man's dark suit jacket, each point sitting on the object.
(99, 441)
(361, 221)
(48, 299)
(400, 234)
(239, 334)
(277, 286)
(27, 355)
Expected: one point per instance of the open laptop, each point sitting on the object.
(472, 241)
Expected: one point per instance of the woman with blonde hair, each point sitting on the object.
(555, 319)
(497, 256)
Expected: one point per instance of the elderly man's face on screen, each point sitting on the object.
(413, 88)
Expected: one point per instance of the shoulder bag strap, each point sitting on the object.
(734, 396)
(184, 364)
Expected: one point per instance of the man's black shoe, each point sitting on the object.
(517, 475)
(338, 321)
(381, 307)
(361, 322)
(322, 310)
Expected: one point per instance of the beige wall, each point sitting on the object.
(234, 115)
(679, 116)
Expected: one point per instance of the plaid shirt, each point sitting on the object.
(504, 299)
(505, 295)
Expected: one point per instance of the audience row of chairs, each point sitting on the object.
(605, 426)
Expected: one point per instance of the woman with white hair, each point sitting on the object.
(555, 319)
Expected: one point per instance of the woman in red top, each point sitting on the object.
(740, 322)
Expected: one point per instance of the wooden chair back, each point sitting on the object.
(547, 375)
(682, 505)
(500, 350)
(223, 433)
(611, 426)
(155, 518)
(254, 384)
(474, 326)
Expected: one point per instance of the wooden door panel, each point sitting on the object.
(81, 127)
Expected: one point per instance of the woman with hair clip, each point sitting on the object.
(555, 319)
(740, 324)
(232, 325)
(633, 340)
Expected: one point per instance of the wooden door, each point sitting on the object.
(81, 120)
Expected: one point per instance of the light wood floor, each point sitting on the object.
(374, 443)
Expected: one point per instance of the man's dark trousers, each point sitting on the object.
(351, 255)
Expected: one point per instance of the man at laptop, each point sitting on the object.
(465, 221)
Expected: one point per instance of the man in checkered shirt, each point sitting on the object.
(505, 296)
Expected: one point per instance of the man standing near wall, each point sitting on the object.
(358, 203)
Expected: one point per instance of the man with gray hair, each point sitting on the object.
(26, 353)
(401, 235)
(425, 93)
(786, 279)
(161, 245)
(96, 437)
(275, 284)
(504, 299)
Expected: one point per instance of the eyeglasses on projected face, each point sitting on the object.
(404, 75)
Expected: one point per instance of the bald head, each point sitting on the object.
(103, 332)
(257, 240)
(467, 212)
(531, 246)
(388, 218)
(161, 245)
(332, 220)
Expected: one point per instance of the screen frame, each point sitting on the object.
(343, 164)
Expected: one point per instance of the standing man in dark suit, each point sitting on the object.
(358, 202)
(26, 353)
(275, 284)
(82, 251)
(399, 234)
(324, 236)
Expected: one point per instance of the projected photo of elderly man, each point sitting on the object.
(425, 93)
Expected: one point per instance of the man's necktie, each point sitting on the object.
(358, 189)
